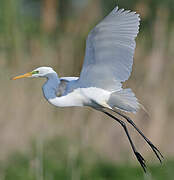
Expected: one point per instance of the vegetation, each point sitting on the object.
(55, 163)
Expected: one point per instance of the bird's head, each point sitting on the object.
(38, 72)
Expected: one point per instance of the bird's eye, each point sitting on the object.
(35, 72)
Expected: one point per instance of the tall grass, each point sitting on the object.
(56, 164)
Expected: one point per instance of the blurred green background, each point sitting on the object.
(42, 142)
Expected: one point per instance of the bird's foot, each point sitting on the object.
(157, 152)
(141, 160)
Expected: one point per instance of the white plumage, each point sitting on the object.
(109, 50)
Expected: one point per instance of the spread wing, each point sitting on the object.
(109, 50)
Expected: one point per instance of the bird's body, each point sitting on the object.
(108, 62)
(74, 94)
(67, 92)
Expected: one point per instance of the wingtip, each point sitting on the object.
(116, 9)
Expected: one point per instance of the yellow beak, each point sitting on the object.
(22, 76)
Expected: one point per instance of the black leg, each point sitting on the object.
(137, 154)
(155, 150)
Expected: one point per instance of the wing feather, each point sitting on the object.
(109, 50)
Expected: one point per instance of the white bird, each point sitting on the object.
(108, 62)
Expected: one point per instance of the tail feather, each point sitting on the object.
(124, 100)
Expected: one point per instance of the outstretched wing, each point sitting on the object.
(109, 50)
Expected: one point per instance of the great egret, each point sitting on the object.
(108, 62)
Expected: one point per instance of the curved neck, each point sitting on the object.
(51, 86)
(50, 89)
